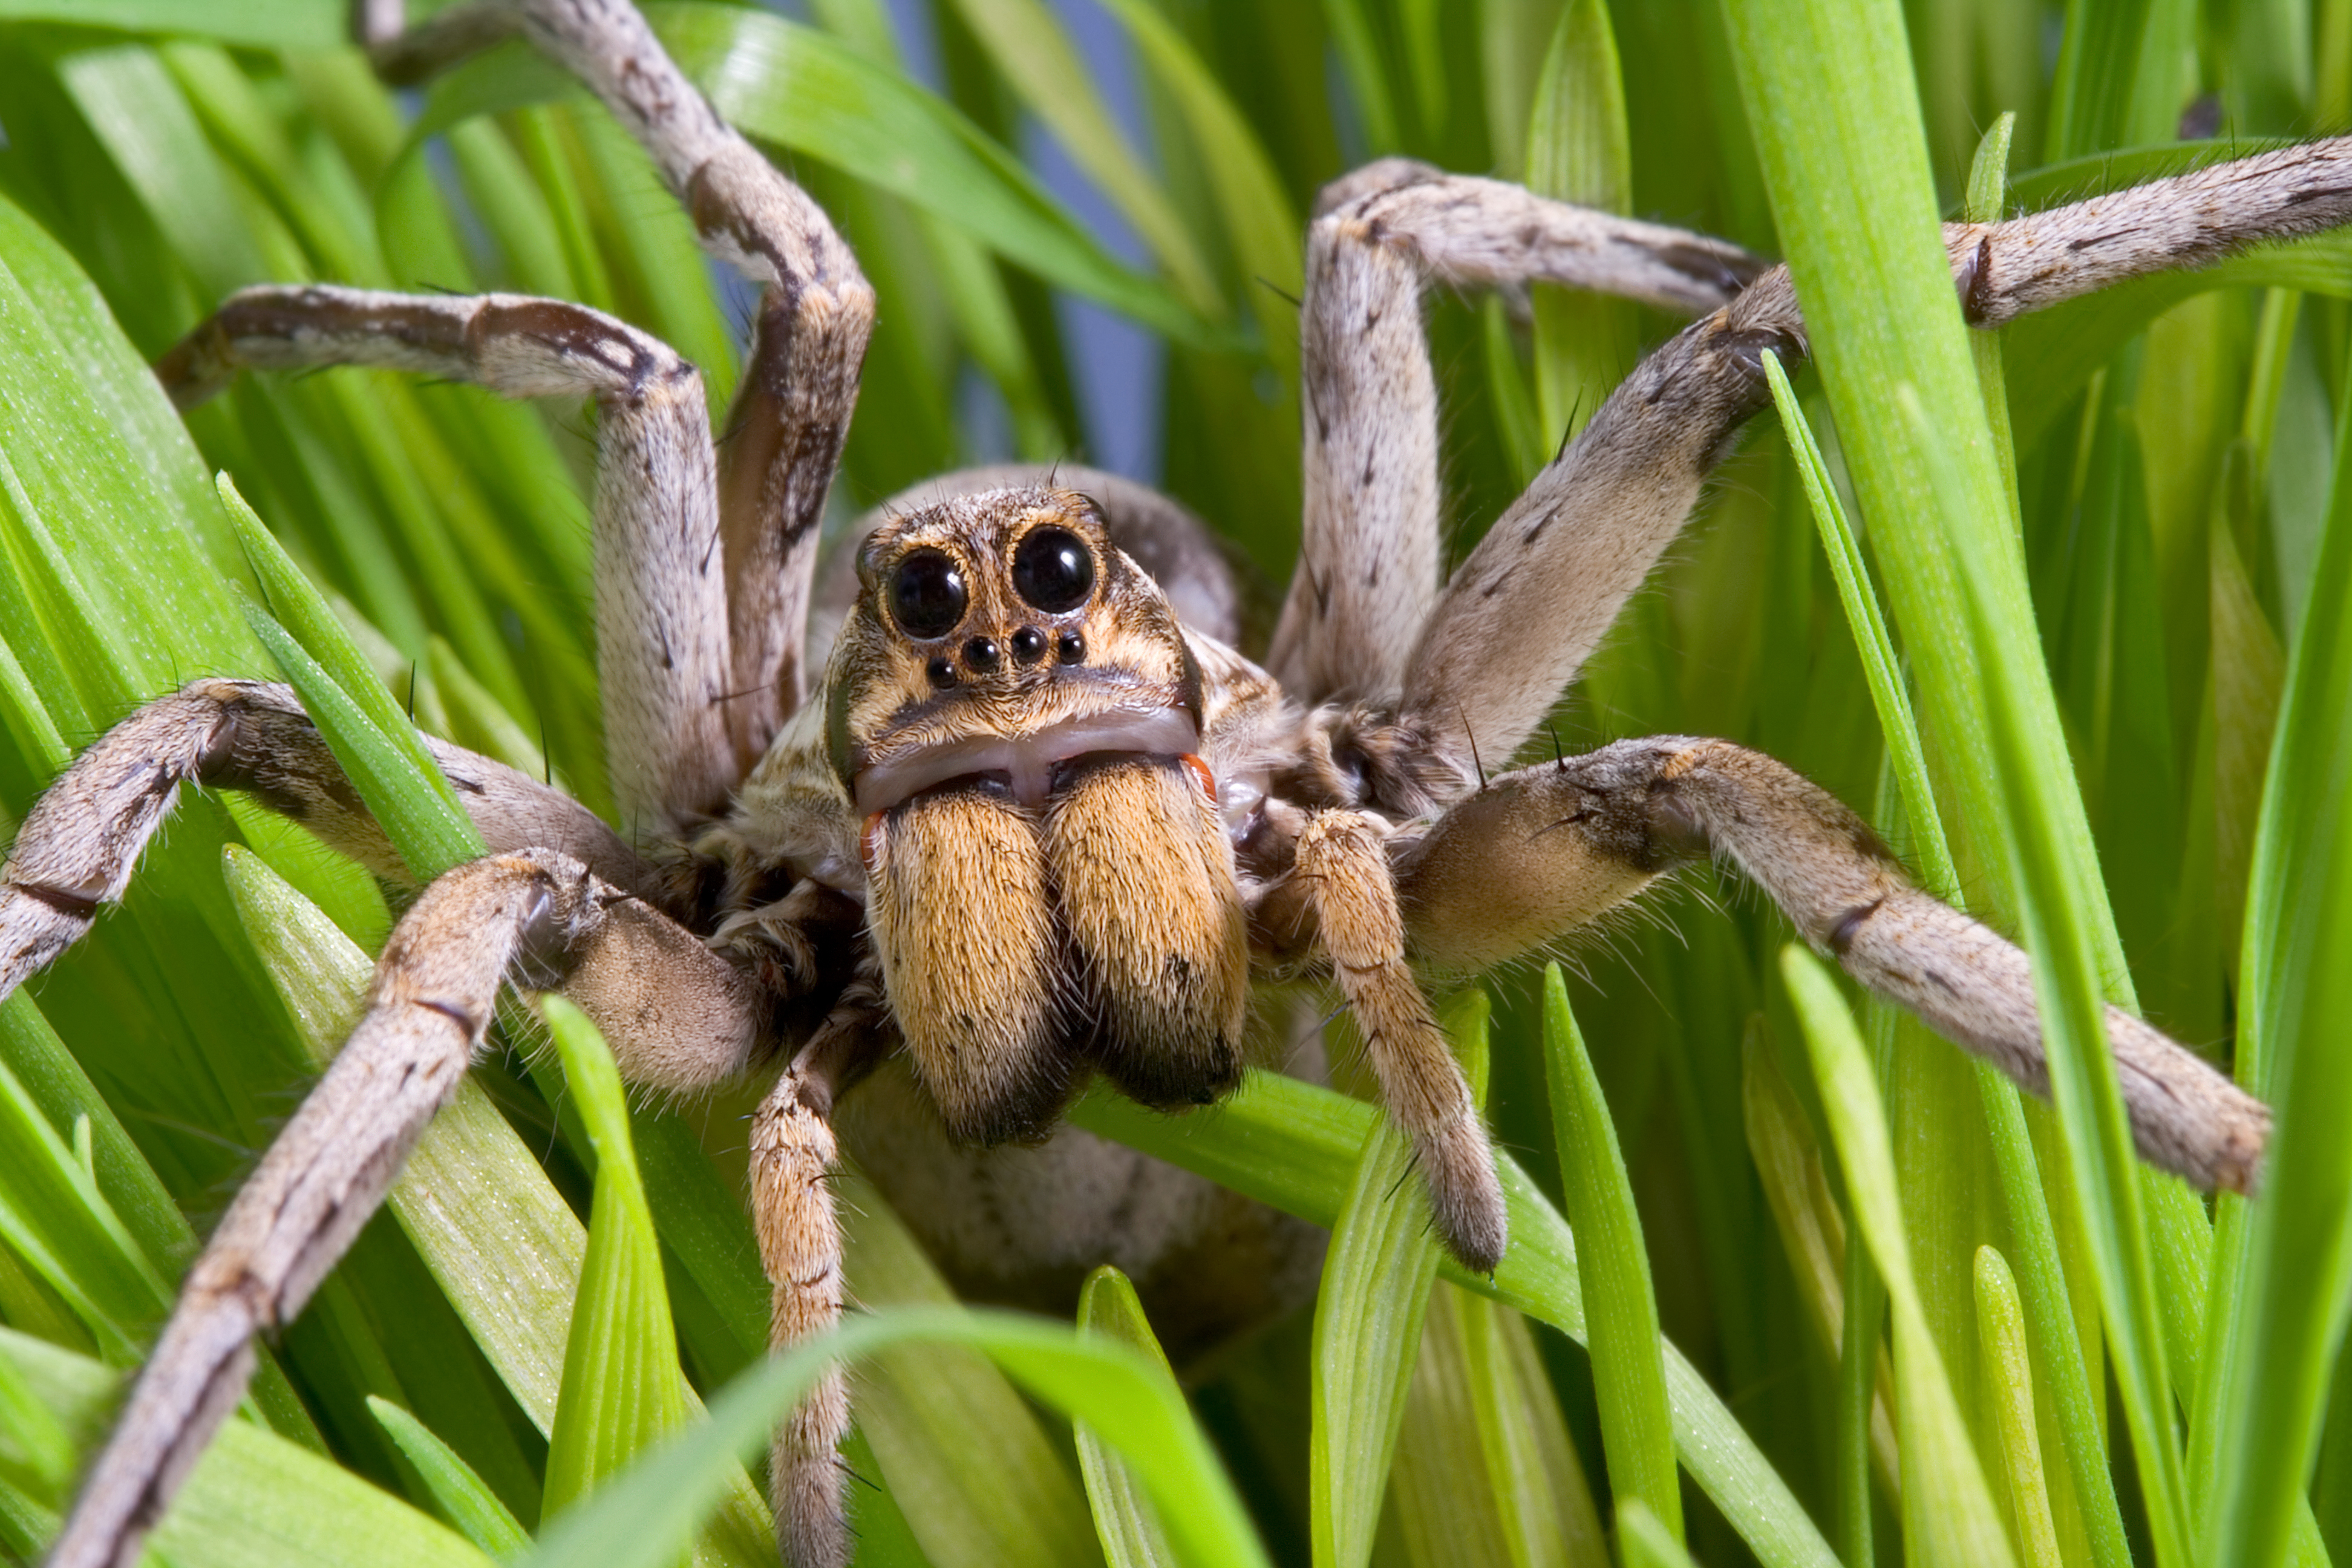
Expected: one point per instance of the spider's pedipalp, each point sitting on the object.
(434, 995)
(1342, 869)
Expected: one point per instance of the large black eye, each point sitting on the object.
(927, 594)
(1052, 570)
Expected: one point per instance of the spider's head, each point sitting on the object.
(1001, 635)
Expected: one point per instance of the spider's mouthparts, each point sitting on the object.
(1027, 759)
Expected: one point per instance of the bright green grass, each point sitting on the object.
(2063, 610)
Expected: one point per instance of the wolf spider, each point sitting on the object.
(1046, 820)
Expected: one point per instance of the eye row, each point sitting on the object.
(1052, 571)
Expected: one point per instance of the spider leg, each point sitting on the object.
(1369, 561)
(77, 847)
(1543, 850)
(793, 1155)
(530, 916)
(1521, 615)
(817, 313)
(1343, 868)
(661, 605)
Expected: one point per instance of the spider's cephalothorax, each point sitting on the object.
(1016, 719)
(1043, 818)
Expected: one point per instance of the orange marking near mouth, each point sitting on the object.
(869, 846)
(1201, 773)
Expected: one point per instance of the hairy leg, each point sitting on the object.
(536, 915)
(792, 1157)
(661, 595)
(78, 846)
(1546, 850)
(817, 312)
(1369, 561)
(1525, 610)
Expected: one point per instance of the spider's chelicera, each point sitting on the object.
(1046, 819)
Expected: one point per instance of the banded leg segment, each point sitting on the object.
(793, 1157)
(77, 847)
(817, 313)
(1370, 560)
(661, 592)
(1343, 867)
(1605, 824)
(1522, 613)
(434, 989)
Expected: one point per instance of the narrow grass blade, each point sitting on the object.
(250, 24)
(644, 1518)
(1645, 1541)
(2009, 1390)
(1620, 1310)
(53, 1216)
(2064, 925)
(1950, 1516)
(1295, 1146)
(1544, 1501)
(472, 1508)
(2291, 1283)
(621, 1388)
(799, 88)
(254, 1500)
(1033, 53)
(1441, 1501)
(1130, 1533)
(1368, 1318)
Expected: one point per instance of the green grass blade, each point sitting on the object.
(1950, 1516)
(1645, 1541)
(249, 23)
(1295, 1146)
(621, 1390)
(2061, 921)
(472, 1508)
(254, 1500)
(2290, 1279)
(420, 812)
(423, 822)
(1368, 1320)
(1880, 667)
(799, 88)
(1033, 52)
(2009, 1390)
(1130, 1533)
(1580, 149)
(1620, 1309)
(644, 1518)
(1544, 1501)
(2021, 1186)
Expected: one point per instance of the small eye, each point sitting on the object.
(1052, 570)
(927, 595)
